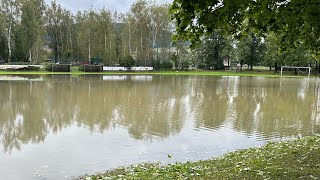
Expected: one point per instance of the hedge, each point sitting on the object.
(58, 67)
(91, 68)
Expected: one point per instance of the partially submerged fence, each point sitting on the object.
(17, 67)
(109, 68)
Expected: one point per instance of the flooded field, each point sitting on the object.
(59, 127)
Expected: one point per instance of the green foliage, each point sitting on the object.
(290, 56)
(127, 62)
(250, 50)
(90, 68)
(184, 65)
(32, 31)
(32, 24)
(174, 58)
(57, 67)
(272, 55)
(19, 54)
(297, 20)
(296, 159)
(161, 65)
(211, 52)
(3, 52)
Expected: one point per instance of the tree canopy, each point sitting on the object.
(297, 20)
(32, 31)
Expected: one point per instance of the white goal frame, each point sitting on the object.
(296, 67)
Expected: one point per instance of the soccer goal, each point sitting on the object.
(299, 69)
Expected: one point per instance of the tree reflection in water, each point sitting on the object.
(156, 106)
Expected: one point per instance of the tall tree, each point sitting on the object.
(106, 30)
(32, 24)
(10, 11)
(159, 23)
(228, 52)
(3, 51)
(213, 47)
(250, 50)
(67, 36)
(53, 24)
(273, 55)
(141, 39)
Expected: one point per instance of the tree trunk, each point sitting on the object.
(141, 44)
(9, 43)
(110, 52)
(56, 49)
(89, 55)
(71, 46)
(30, 55)
(61, 43)
(89, 48)
(105, 44)
(37, 54)
(78, 49)
(130, 48)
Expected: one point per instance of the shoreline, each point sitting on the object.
(293, 159)
(254, 73)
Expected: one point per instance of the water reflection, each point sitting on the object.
(152, 107)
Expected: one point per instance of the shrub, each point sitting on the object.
(127, 61)
(58, 67)
(90, 68)
(162, 65)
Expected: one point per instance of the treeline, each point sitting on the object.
(218, 50)
(33, 32)
(267, 32)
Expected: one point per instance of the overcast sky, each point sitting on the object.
(119, 5)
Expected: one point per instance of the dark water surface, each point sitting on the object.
(59, 127)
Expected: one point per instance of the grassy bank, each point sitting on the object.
(260, 73)
(296, 159)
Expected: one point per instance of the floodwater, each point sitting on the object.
(61, 127)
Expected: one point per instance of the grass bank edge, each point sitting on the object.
(293, 159)
(170, 73)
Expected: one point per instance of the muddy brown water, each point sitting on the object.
(59, 127)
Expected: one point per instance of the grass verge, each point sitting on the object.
(260, 73)
(295, 159)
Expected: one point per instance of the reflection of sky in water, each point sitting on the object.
(67, 126)
(59, 156)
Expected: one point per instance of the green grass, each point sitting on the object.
(75, 71)
(295, 159)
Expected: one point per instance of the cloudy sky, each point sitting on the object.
(119, 5)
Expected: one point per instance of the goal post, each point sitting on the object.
(308, 69)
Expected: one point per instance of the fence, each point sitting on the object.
(5, 67)
(109, 68)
